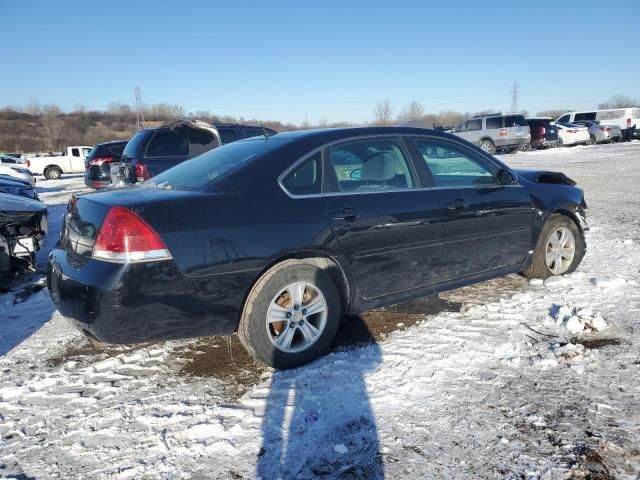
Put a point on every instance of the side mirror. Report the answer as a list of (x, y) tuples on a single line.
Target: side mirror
[(506, 177)]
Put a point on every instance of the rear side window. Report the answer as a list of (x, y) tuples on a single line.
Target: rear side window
[(75, 152), (305, 179), (452, 167), (515, 121), (585, 116), (168, 144), (494, 122), (227, 134)]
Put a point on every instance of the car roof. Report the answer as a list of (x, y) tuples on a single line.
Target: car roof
[(111, 142)]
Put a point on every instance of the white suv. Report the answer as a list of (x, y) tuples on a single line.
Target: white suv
[(496, 131)]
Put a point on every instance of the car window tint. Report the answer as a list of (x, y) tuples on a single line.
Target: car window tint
[(117, 149), (227, 134), (454, 167), (305, 179), (253, 132), (564, 118), (494, 122), (515, 121), (371, 165), (168, 144), (475, 124), (585, 116), (201, 145), (75, 152), (462, 127)]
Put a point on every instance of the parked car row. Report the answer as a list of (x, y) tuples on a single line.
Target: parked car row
[(513, 132)]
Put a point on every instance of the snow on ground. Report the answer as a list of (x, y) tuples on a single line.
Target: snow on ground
[(505, 379)]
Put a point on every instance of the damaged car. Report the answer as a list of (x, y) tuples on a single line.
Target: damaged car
[(23, 226), (15, 186), (278, 239)]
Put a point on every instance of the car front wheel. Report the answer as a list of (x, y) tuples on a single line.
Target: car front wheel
[(559, 249), (291, 315)]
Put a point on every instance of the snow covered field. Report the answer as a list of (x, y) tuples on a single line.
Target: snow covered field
[(505, 379)]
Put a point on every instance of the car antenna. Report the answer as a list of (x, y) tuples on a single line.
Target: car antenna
[(264, 132)]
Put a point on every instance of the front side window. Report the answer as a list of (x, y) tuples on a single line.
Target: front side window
[(168, 144), (462, 127), (564, 118), (253, 132), (475, 124), (585, 116), (86, 151), (305, 179), (454, 167), (371, 165)]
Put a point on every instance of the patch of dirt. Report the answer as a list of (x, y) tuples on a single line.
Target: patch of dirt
[(590, 466), (85, 353), (596, 343), (224, 358)]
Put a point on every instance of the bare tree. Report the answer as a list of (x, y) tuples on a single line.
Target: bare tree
[(619, 101), (412, 111), (382, 113), (33, 107), (52, 123)]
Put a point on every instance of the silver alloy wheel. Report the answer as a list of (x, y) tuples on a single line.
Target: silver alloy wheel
[(296, 317), (560, 251), (486, 147)]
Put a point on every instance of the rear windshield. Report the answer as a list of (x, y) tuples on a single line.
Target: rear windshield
[(538, 121), (198, 172)]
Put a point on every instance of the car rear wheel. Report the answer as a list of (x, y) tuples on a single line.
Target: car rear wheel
[(560, 142), (291, 315), (52, 173), (559, 249), (592, 140), (488, 146)]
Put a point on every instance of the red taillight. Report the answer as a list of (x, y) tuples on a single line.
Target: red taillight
[(605, 129), (573, 131), (124, 237), (542, 131), (28, 163), (100, 160), (142, 172), (503, 132)]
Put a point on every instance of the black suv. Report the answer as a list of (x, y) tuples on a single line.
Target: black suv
[(98, 163), (154, 150)]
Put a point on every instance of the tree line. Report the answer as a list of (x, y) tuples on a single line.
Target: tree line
[(39, 127)]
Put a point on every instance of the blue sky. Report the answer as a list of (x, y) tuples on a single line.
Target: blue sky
[(329, 60)]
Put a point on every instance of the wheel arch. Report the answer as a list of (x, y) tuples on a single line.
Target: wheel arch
[(53, 165), (321, 259)]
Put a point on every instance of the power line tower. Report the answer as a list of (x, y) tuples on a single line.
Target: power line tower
[(515, 91), (140, 124)]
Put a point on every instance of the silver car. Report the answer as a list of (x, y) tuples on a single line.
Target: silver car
[(509, 132), (599, 133)]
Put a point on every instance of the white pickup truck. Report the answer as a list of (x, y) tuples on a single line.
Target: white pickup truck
[(53, 166)]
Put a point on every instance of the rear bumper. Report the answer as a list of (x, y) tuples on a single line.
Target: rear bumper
[(543, 142), (133, 303)]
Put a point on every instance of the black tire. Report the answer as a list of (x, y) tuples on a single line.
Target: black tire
[(488, 146), (592, 140), (53, 173), (538, 266), (252, 330), (560, 142)]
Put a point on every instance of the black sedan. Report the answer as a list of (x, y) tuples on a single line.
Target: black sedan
[(278, 238)]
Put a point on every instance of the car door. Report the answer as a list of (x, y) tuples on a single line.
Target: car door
[(386, 224), (486, 225), (474, 130), (76, 160), (461, 130)]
